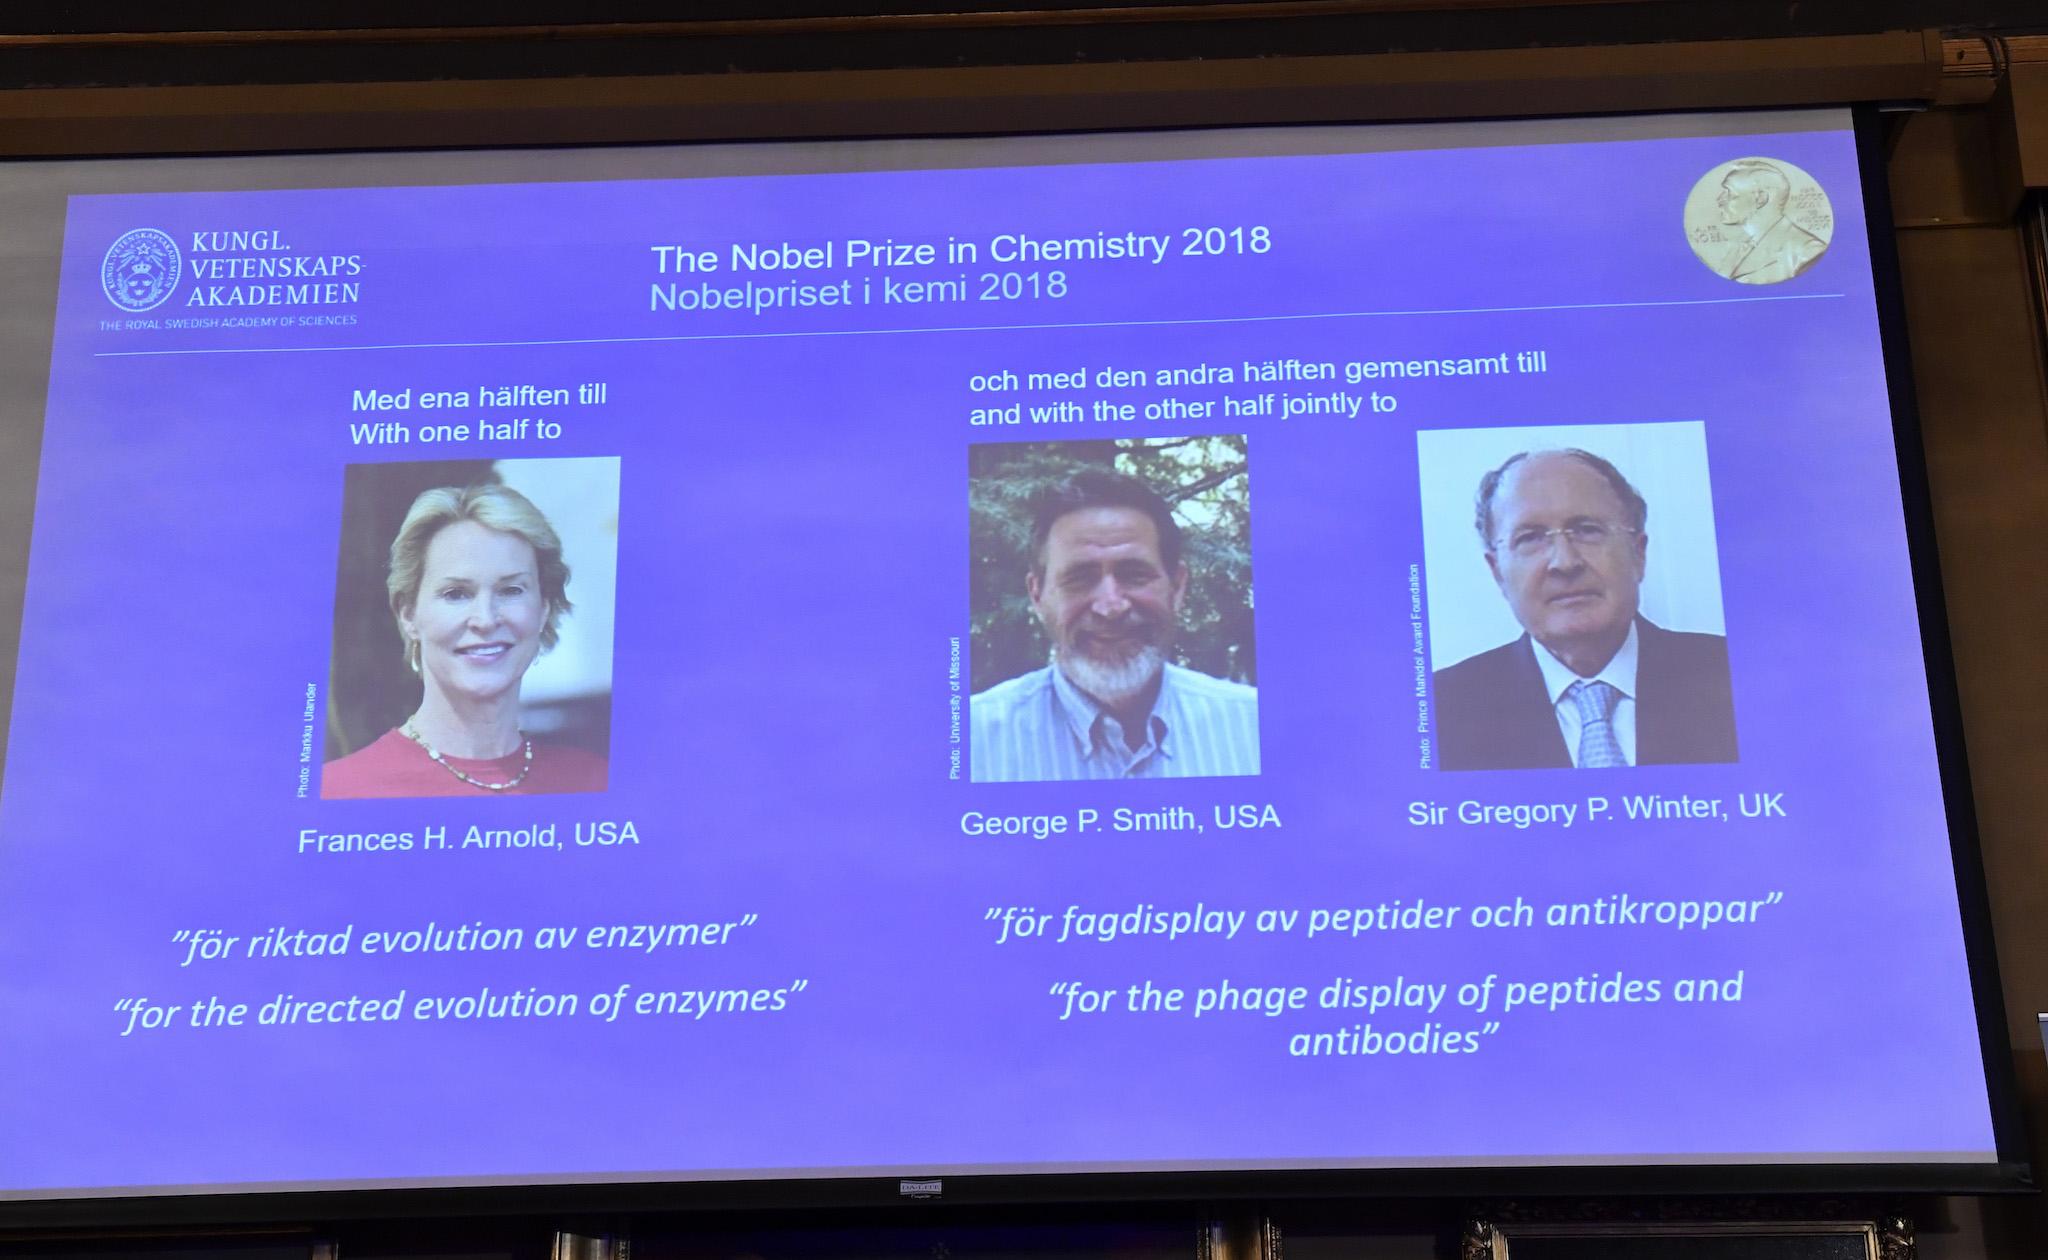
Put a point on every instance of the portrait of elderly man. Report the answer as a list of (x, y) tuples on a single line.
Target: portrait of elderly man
[(1767, 246), (1591, 683), (1107, 583)]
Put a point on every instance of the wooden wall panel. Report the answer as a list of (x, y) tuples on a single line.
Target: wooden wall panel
[(1979, 370)]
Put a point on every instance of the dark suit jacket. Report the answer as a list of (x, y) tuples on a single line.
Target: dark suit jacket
[(1494, 713)]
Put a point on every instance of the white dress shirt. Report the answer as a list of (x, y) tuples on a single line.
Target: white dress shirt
[(1041, 727), (1619, 673)]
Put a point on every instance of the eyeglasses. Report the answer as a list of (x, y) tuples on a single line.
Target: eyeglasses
[(1527, 544)]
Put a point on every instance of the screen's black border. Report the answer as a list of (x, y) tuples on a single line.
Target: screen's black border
[(1944, 699), (2009, 1173)]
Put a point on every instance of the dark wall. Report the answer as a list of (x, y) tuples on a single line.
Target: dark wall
[(1978, 361), (124, 43)]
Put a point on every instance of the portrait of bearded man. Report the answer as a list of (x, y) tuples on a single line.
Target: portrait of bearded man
[(1107, 584)]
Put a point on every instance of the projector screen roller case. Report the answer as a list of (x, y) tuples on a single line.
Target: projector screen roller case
[(1302, 649)]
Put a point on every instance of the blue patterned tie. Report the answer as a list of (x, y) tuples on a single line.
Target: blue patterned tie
[(1598, 748)]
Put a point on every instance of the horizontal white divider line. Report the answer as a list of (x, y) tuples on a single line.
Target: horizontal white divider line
[(966, 328)]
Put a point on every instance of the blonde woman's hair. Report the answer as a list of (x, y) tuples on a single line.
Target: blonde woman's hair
[(492, 506)]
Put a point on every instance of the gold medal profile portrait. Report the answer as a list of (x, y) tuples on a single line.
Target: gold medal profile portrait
[(1758, 220)]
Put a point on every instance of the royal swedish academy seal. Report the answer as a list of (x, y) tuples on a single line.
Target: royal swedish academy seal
[(141, 269)]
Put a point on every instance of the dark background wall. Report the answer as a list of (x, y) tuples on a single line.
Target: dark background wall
[(1972, 314)]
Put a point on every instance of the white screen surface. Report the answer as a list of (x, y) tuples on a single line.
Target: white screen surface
[(864, 812)]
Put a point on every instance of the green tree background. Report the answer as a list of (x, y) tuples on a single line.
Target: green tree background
[(1202, 478)]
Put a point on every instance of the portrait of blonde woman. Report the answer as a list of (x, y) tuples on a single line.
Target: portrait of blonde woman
[(478, 588)]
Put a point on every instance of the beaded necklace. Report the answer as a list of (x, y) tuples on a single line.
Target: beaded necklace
[(442, 762)]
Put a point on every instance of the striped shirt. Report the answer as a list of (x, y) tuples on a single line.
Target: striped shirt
[(1040, 727)]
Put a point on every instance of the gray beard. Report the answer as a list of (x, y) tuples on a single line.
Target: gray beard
[(1113, 684)]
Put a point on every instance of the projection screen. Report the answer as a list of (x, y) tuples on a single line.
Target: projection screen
[(1324, 648)]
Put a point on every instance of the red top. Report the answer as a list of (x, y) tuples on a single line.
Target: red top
[(395, 766)]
